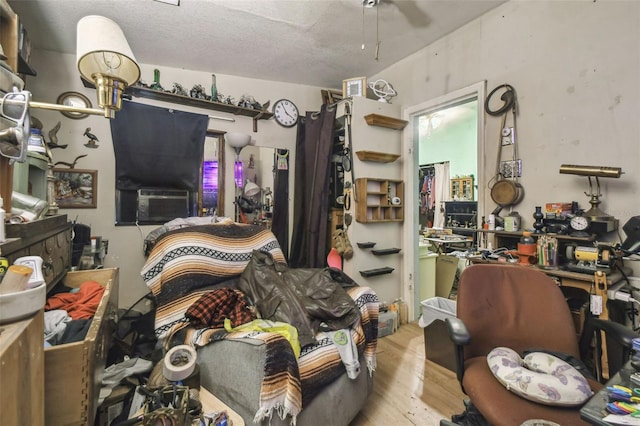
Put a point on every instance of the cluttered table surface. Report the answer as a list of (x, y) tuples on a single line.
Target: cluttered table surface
[(595, 411)]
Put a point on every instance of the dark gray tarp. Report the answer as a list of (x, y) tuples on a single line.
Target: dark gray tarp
[(157, 147)]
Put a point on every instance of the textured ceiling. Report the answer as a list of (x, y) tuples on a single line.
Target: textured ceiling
[(312, 42)]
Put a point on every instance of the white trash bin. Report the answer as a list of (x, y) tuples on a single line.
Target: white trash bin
[(438, 347)]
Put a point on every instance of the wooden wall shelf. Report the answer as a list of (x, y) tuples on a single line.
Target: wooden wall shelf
[(385, 121), (374, 198), (378, 157), (384, 252), (377, 271), (156, 95)]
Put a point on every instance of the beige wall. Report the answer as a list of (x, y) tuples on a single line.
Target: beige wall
[(57, 74), (576, 68)]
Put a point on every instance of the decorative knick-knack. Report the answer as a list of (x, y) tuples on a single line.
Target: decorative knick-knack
[(538, 224), (214, 88)]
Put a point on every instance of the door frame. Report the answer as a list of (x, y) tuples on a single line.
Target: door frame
[(410, 142)]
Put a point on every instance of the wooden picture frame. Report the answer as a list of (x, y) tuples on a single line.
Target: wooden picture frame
[(330, 96), (354, 87), (76, 188)]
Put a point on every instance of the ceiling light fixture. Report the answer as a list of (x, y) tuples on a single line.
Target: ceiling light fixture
[(371, 4)]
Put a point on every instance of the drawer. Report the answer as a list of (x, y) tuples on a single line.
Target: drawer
[(73, 371)]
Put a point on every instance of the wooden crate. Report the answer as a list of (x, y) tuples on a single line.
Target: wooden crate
[(73, 371)]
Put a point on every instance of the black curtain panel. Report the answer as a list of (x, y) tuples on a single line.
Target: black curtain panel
[(157, 147), (311, 198), (280, 223)]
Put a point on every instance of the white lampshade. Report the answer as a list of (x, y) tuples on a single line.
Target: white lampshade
[(251, 189), (237, 140), (103, 49)]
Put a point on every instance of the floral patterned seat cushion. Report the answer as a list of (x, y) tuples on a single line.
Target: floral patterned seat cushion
[(539, 377)]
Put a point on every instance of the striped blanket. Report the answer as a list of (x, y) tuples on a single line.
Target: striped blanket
[(187, 263)]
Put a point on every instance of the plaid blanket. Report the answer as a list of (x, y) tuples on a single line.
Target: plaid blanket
[(186, 263)]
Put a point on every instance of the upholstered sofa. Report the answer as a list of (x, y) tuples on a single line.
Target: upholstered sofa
[(257, 373)]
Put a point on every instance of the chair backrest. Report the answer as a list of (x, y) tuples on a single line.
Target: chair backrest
[(514, 306)]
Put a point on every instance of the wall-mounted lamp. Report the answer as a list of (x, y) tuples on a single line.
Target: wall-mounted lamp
[(105, 59)]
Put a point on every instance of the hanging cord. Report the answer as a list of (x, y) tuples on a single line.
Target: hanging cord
[(347, 123), (377, 33), (510, 102)]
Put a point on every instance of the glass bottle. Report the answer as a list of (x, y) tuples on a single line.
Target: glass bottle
[(214, 88)]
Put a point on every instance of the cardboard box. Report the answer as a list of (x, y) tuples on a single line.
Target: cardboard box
[(112, 406), (73, 371), (446, 268)]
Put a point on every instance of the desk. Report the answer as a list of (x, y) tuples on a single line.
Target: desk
[(594, 410), (596, 283), (444, 241)]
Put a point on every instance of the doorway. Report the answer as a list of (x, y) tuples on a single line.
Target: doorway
[(424, 118)]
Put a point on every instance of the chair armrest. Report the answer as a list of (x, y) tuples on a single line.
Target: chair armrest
[(459, 335), (619, 332), (458, 331)]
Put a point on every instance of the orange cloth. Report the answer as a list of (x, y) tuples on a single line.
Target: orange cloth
[(80, 305)]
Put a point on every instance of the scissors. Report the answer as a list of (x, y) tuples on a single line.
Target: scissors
[(623, 393)]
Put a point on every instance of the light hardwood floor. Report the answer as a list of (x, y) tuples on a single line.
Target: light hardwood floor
[(409, 389)]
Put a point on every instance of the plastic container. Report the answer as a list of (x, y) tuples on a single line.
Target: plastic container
[(36, 143), (527, 244)]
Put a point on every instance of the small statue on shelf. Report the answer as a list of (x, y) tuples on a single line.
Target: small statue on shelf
[(197, 92), (179, 90)]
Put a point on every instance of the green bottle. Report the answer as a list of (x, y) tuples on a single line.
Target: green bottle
[(214, 89)]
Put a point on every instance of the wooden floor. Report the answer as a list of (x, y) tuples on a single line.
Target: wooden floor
[(409, 389)]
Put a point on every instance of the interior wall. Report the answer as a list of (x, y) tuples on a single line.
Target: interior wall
[(57, 73), (575, 67)]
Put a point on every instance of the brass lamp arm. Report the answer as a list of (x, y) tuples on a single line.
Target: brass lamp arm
[(59, 107)]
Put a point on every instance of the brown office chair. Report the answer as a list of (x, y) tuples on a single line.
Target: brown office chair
[(516, 307)]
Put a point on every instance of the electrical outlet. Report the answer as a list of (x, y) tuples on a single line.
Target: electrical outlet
[(511, 168)]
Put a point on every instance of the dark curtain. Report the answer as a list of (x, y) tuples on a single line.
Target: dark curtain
[(280, 223), (157, 147), (314, 146)]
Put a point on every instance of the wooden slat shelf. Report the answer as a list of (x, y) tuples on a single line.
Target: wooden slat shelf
[(385, 121), (383, 252), (368, 244), (377, 271), (156, 95), (378, 157)]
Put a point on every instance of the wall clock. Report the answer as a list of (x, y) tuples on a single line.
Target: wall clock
[(74, 99), (285, 112)]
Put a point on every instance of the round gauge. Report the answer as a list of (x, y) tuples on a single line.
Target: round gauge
[(579, 223), (285, 112)]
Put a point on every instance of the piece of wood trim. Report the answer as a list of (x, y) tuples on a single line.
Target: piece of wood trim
[(378, 157), (385, 121)]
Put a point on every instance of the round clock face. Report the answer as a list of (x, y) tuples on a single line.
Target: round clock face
[(285, 112), (579, 223)]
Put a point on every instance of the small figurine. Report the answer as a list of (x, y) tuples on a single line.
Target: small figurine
[(179, 90), (70, 165), (197, 92), (53, 138), (93, 139)]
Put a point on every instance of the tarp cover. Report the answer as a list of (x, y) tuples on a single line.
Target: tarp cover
[(157, 147)]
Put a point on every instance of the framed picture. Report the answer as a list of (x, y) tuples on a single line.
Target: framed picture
[(76, 189), (354, 87)]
